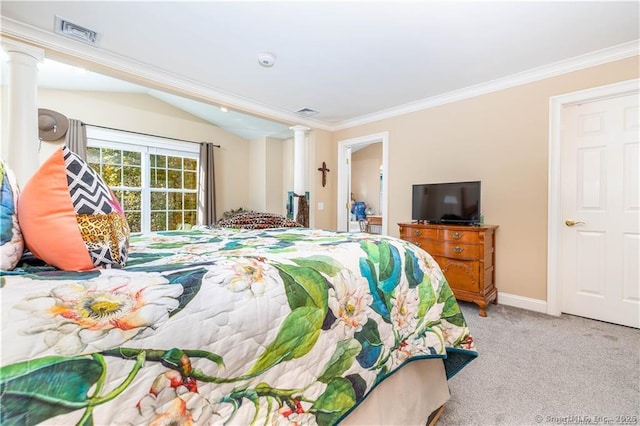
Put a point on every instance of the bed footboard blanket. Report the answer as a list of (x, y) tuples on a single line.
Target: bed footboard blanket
[(220, 326)]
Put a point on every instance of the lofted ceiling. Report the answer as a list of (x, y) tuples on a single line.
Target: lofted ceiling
[(350, 61)]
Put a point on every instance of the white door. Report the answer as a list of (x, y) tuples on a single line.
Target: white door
[(600, 191), (347, 205)]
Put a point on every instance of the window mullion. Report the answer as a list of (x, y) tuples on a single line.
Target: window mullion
[(146, 192)]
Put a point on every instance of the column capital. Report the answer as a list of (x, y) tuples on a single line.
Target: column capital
[(13, 46), (20, 142), (299, 128)]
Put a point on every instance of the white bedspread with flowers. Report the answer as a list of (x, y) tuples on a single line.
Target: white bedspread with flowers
[(285, 326)]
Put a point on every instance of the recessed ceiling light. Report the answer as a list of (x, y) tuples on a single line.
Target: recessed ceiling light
[(224, 109), (266, 59)]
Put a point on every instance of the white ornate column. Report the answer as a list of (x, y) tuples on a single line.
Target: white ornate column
[(20, 141), (300, 166)]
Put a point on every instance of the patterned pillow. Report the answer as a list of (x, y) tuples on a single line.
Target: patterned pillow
[(253, 220), (70, 218), (11, 242)]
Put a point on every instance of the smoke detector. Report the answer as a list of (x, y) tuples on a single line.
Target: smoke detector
[(266, 59)]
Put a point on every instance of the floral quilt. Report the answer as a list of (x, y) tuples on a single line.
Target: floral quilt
[(222, 326)]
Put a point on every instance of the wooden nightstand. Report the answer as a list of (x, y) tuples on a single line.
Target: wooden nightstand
[(466, 255), (375, 224)]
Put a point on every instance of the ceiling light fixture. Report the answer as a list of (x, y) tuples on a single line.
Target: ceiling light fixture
[(224, 109), (75, 31), (266, 59)]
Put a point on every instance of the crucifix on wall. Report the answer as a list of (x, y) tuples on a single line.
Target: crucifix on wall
[(324, 171)]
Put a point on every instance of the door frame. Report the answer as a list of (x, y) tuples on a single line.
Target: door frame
[(343, 175), (554, 214)]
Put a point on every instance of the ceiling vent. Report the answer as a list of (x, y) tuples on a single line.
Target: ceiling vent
[(307, 112), (77, 32)]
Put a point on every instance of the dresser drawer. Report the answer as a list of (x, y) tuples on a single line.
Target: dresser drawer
[(462, 236), (409, 233), (461, 251), (416, 241), (461, 275), (432, 247)]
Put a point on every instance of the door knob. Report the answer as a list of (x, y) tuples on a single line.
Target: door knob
[(573, 223)]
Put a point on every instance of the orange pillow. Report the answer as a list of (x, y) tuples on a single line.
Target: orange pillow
[(70, 218)]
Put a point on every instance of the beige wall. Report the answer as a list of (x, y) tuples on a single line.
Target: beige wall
[(257, 177), (365, 175), (501, 139), (143, 113), (275, 197), (265, 159), (287, 169), (323, 149)]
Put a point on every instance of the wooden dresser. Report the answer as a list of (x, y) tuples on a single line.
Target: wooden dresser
[(466, 255)]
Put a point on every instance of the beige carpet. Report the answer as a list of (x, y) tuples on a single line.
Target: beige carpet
[(536, 369)]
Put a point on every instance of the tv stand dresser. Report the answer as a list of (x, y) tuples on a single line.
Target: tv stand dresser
[(466, 255)]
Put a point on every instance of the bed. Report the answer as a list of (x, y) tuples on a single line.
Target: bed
[(211, 325), (227, 326)]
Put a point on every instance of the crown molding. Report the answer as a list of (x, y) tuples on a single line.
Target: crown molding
[(577, 63), (56, 43), (62, 45)]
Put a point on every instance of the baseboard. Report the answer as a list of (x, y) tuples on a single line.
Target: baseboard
[(528, 303)]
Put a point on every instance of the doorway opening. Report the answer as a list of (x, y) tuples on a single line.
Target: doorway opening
[(345, 149)]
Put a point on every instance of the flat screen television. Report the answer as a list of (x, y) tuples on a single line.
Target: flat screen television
[(447, 203)]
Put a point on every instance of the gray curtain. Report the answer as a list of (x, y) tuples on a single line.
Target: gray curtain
[(76, 138), (207, 195)]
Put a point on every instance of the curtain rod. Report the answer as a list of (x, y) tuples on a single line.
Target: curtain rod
[(144, 134)]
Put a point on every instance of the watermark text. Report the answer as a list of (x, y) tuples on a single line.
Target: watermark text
[(588, 420)]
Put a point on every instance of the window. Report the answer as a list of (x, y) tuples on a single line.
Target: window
[(155, 179), (174, 196)]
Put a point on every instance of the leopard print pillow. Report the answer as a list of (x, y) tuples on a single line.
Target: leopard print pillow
[(254, 220)]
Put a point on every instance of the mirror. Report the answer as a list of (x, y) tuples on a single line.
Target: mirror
[(60, 76)]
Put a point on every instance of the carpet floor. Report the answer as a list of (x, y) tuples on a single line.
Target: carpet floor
[(537, 369)]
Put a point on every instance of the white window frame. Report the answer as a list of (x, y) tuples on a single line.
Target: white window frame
[(98, 137)]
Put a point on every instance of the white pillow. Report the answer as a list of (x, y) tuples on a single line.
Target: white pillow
[(11, 241)]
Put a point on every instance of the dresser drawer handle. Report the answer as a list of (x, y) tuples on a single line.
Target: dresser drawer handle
[(417, 232), (458, 249), (456, 235)]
